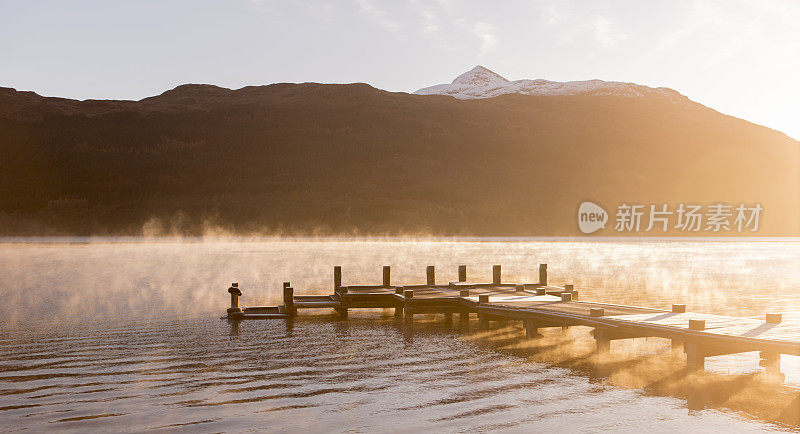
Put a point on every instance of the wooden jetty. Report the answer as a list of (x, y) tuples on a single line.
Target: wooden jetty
[(540, 305)]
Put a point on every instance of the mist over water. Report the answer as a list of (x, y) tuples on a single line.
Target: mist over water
[(125, 333)]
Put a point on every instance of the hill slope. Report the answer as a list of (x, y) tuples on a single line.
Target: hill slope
[(339, 158)]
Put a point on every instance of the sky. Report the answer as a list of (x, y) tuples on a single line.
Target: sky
[(740, 57)]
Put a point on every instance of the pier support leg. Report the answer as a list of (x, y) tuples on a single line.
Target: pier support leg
[(771, 361), (448, 318), (531, 331), (602, 341), (398, 311), (408, 316), (677, 344), (463, 318), (483, 322), (342, 312), (695, 357)]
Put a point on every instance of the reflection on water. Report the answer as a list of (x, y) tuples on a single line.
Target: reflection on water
[(101, 336)]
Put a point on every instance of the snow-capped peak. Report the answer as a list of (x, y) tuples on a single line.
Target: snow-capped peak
[(480, 76), (480, 82)]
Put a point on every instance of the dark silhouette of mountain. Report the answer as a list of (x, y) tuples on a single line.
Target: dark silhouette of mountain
[(330, 159)]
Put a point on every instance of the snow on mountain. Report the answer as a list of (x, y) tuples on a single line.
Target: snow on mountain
[(480, 82)]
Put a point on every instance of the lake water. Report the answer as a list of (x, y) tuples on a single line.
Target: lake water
[(124, 333)]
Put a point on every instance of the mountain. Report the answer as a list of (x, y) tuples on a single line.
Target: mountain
[(480, 82), (330, 159)]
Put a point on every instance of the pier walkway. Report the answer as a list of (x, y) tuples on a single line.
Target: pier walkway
[(539, 305)]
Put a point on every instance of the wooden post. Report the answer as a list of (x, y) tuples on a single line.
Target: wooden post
[(431, 275), (520, 288), (463, 293), (398, 307), (695, 358), (495, 274), (483, 299), (409, 314), (774, 318), (448, 318), (566, 296), (602, 341), (543, 274), (596, 312), (697, 324), (541, 291), (771, 361), (387, 270), (408, 293), (483, 321), (463, 318), (462, 273), (288, 301), (678, 308), (531, 331), (337, 278)]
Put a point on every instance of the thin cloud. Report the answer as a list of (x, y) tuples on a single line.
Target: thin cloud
[(485, 32)]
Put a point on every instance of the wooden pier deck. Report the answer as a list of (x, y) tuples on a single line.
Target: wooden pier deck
[(539, 305)]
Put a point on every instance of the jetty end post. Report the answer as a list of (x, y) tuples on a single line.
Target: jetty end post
[(495, 274), (235, 294), (387, 271), (430, 272), (462, 273), (543, 274), (337, 278)]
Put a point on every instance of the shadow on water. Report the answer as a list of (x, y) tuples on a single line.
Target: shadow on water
[(649, 365)]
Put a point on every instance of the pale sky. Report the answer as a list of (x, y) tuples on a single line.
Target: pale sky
[(741, 57)]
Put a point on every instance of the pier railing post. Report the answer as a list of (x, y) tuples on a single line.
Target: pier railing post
[(337, 278), (462, 273), (430, 273), (387, 271), (495, 274), (543, 274)]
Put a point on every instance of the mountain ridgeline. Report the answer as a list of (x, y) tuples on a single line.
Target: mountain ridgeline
[(341, 159)]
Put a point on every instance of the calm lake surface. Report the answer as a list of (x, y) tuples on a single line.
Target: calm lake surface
[(124, 334)]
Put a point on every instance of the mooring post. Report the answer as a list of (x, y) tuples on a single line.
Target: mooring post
[(337, 278), (541, 291), (288, 301), (520, 288), (566, 296), (430, 272), (387, 270), (495, 274), (543, 274), (462, 273)]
